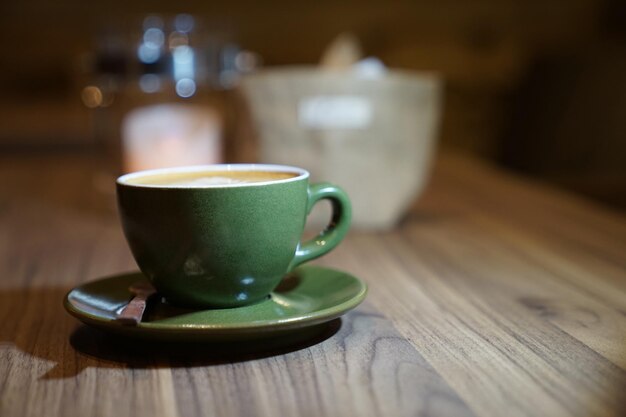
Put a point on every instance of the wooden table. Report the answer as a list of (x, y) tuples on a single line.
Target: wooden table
[(495, 297)]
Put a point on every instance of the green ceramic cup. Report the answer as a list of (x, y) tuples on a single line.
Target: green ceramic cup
[(217, 246)]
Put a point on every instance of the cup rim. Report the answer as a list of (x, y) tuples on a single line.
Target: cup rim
[(301, 174)]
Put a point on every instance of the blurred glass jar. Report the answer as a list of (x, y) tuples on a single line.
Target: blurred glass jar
[(160, 94)]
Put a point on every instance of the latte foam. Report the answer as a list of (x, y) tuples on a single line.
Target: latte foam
[(210, 178)]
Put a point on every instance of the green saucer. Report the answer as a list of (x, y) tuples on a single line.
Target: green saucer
[(309, 296)]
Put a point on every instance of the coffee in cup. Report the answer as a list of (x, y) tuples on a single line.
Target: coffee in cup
[(205, 178)]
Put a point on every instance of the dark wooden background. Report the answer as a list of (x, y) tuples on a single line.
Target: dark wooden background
[(539, 86)]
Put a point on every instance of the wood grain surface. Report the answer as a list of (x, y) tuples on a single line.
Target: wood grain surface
[(493, 297)]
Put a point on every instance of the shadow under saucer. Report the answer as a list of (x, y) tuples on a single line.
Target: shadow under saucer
[(137, 354)]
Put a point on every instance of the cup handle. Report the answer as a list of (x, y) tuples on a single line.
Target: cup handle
[(334, 233)]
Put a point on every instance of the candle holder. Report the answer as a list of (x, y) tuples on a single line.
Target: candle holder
[(159, 94)]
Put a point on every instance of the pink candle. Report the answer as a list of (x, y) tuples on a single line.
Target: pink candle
[(168, 135)]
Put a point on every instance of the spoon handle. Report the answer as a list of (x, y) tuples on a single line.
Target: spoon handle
[(132, 313)]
